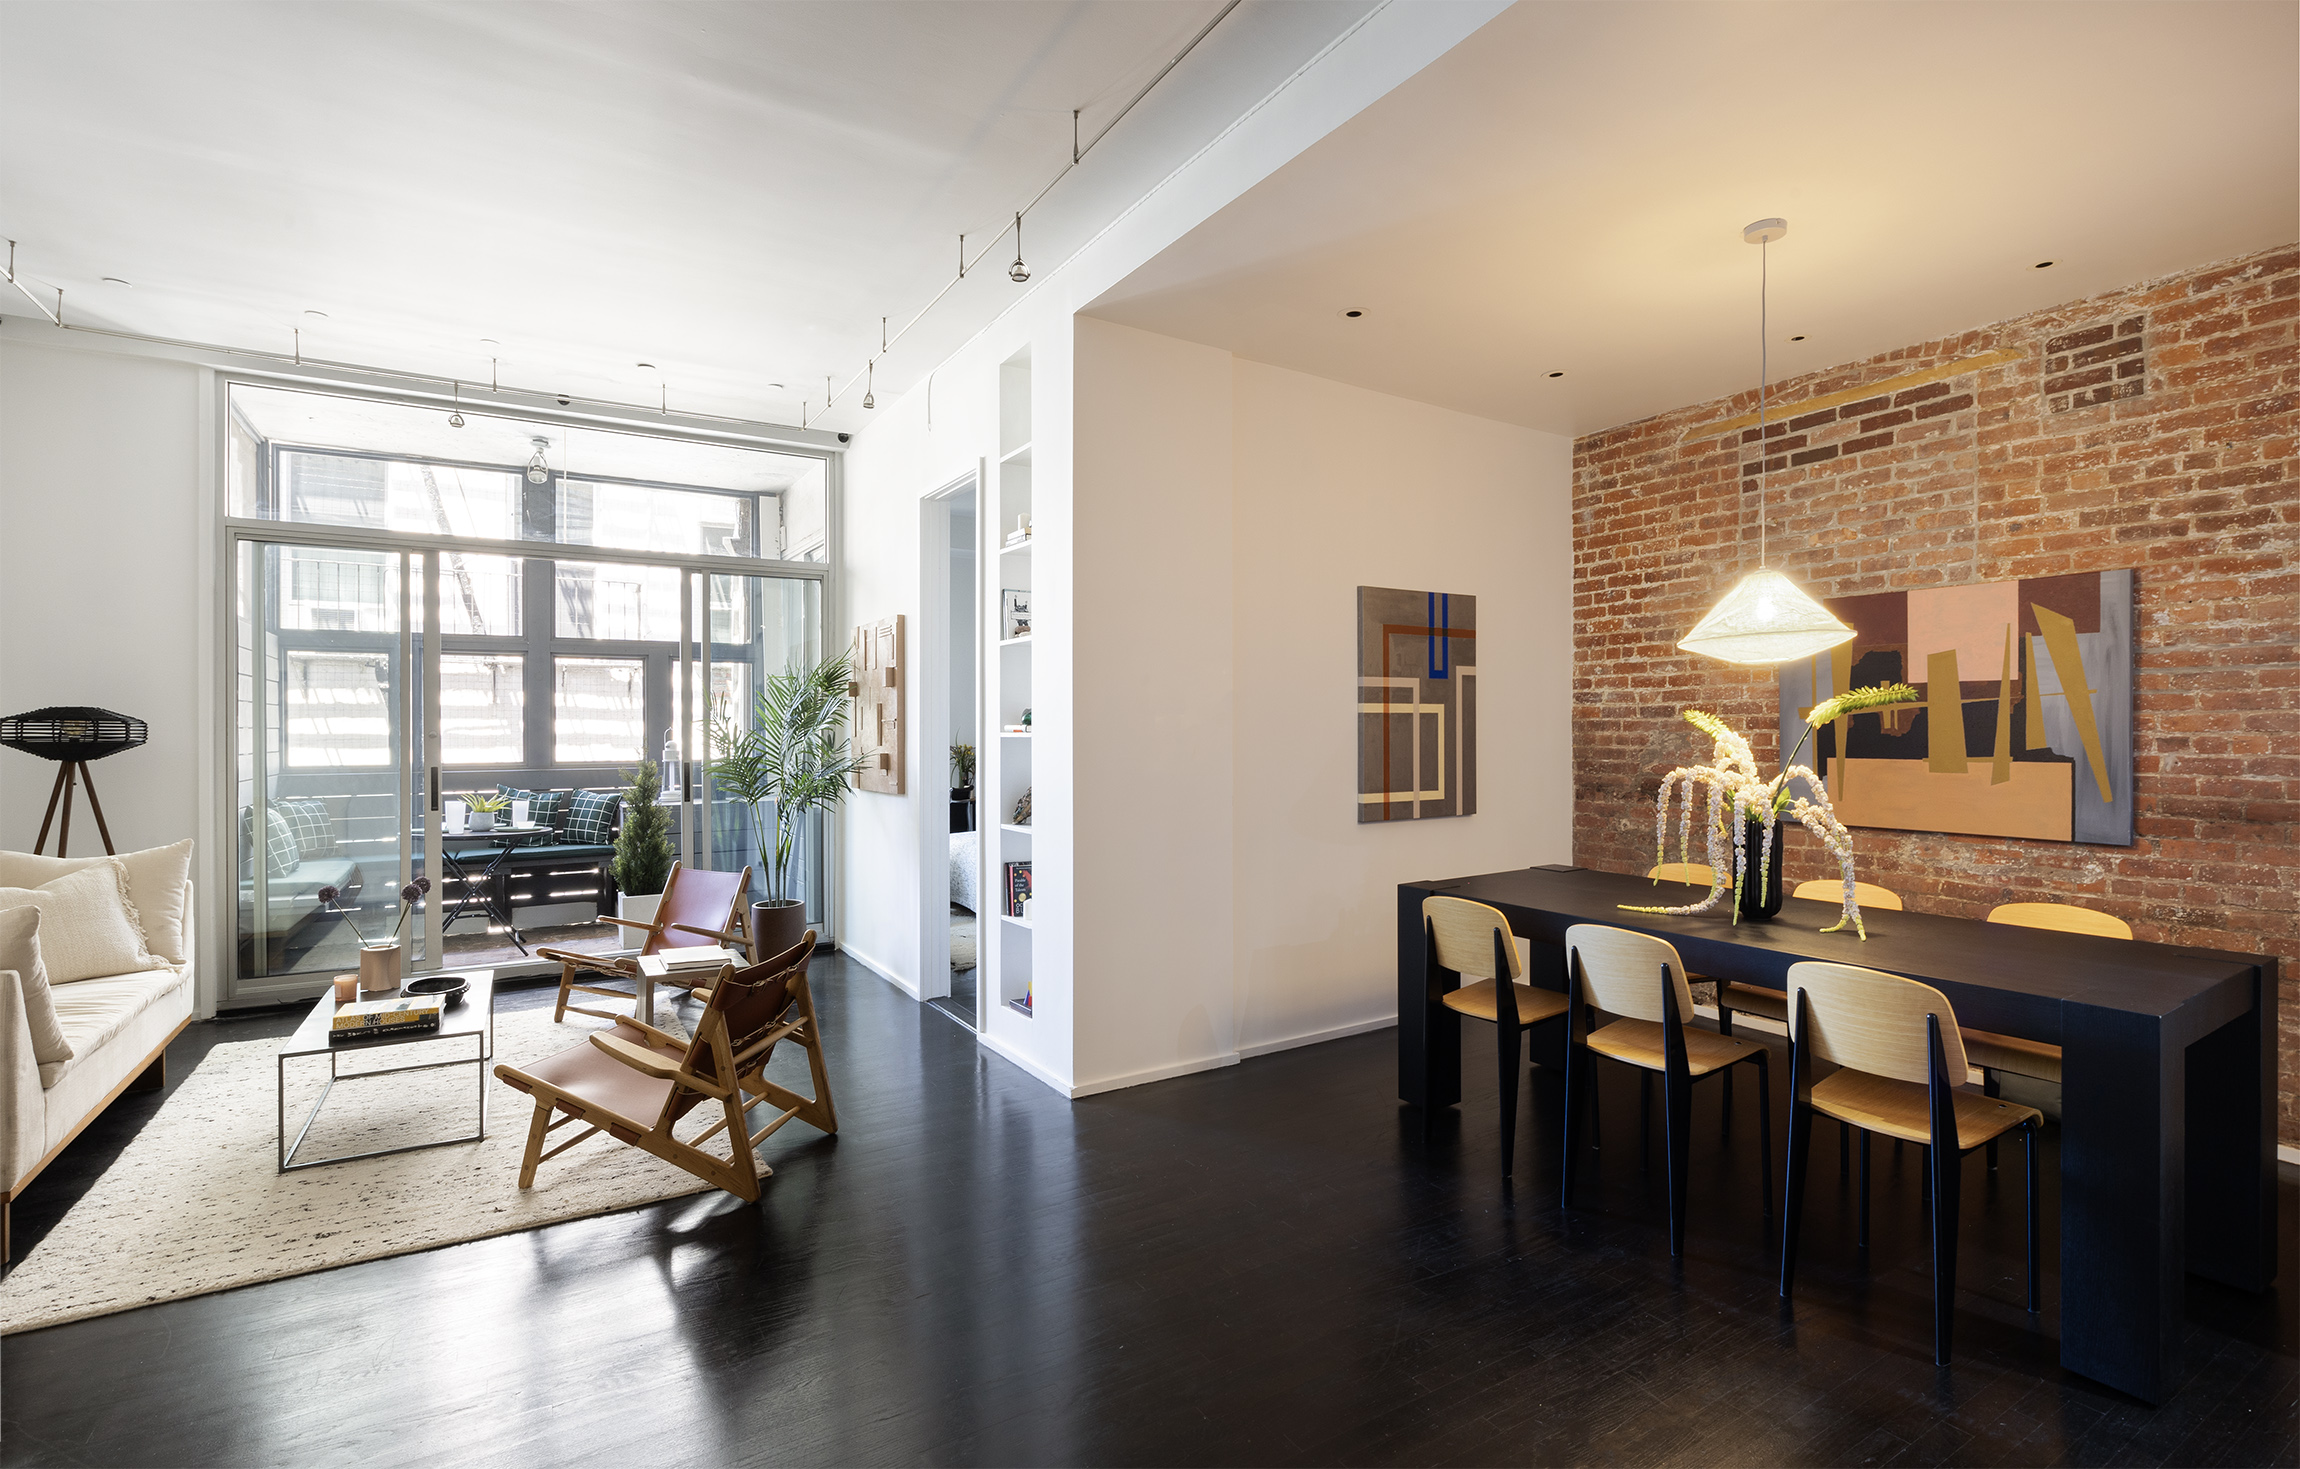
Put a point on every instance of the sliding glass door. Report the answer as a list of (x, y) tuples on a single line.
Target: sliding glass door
[(415, 640)]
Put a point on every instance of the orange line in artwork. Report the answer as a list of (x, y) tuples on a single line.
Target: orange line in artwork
[(1408, 630)]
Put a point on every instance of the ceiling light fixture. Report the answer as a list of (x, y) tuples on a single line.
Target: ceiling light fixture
[(1797, 339), (2042, 265), (538, 472), (1018, 272), (320, 314), (113, 280), (1353, 314), (1557, 374), (870, 380), (455, 407), (1766, 619)]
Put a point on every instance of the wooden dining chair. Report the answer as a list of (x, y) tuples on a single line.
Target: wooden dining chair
[(1756, 999), (635, 1083), (699, 907), (1474, 942), (1994, 1055), (1639, 979), (1901, 1063), (1699, 874)]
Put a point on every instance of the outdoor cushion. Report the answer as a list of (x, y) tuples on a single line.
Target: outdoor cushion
[(544, 808), (281, 852), (591, 818), (314, 829)]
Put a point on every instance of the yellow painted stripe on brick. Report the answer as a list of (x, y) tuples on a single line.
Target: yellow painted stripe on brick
[(1787, 411)]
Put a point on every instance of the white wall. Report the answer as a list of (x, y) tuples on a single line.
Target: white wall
[(102, 594), (1338, 488)]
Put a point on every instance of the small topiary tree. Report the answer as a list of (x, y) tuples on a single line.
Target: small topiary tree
[(643, 847)]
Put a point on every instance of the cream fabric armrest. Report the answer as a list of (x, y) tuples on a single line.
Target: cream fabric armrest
[(23, 1129)]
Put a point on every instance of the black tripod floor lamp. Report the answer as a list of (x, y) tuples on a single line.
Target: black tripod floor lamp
[(71, 735)]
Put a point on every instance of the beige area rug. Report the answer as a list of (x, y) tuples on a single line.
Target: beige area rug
[(196, 1202)]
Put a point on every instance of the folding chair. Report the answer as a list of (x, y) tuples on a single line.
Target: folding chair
[(635, 1082), (699, 907)]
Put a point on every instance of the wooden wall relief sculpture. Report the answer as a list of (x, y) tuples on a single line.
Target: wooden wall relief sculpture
[(878, 706)]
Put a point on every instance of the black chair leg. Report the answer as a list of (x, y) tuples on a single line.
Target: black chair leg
[(1793, 1191), (1644, 1118), (2035, 1299), (1991, 1087), (1863, 1237), (1765, 1129), (1577, 1091), (1510, 1049), (1677, 1105), (1844, 1147), (1942, 1167)]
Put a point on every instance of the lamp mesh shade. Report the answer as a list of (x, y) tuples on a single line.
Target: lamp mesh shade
[(71, 732), (1766, 619)]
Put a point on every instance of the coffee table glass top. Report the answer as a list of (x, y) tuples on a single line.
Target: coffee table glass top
[(474, 1015)]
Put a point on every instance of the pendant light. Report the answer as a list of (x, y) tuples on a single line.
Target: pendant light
[(1766, 619), (538, 471), (1018, 272)]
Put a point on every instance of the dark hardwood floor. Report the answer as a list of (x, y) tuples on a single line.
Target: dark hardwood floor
[(1266, 1264)]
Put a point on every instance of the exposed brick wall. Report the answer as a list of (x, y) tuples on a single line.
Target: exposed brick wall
[(2151, 428)]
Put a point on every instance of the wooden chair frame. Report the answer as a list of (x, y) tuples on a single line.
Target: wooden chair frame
[(1676, 1091), (626, 966), (693, 1085), (1943, 1161)]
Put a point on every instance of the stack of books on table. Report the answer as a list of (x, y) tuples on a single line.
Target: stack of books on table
[(366, 1020)]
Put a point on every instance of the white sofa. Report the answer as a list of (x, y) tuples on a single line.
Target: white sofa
[(119, 1028)]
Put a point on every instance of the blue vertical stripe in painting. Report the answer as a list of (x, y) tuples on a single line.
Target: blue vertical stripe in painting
[(1441, 646)]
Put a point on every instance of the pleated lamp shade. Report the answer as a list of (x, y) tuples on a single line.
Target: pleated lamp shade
[(1766, 619)]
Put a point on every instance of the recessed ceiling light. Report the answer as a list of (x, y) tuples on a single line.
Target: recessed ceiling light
[(1557, 374), (1797, 339), (647, 365), (113, 280), (320, 314), (1353, 314), (778, 387), (2041, 265)]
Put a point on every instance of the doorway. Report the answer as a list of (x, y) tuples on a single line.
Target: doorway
[(950, 686)]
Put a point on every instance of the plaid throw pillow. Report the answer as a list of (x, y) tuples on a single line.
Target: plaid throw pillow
[(591, 818), (280, 851), (544, 808), (314, 828)]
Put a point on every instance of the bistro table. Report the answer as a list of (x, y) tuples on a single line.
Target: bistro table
[(2168, 1137), (483, 890)]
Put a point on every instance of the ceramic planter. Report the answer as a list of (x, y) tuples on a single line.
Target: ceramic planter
[(637, 908), (776, 928), (379, 968)]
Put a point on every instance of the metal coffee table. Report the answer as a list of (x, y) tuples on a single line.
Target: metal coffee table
[(473, 1019)]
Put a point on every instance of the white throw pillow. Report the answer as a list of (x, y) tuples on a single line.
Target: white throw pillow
[(20, 951), (88, 926), (157, 878)]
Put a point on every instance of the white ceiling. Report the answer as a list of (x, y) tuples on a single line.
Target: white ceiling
[(1565, 191), (734, 192)]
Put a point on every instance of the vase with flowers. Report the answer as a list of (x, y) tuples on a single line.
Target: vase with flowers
[(379, 960), (1746, 808)]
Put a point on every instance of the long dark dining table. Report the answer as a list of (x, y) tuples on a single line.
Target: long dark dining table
[(2168, 1137)]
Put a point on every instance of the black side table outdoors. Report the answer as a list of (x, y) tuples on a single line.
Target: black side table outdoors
[(484, 892)]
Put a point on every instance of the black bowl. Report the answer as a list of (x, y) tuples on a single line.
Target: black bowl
[(450, 987)]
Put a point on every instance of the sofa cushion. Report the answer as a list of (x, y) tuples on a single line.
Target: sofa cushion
[(20, 951), (159, 880), (314, 829), (92, 1076), (88, 925), (92, 1012)]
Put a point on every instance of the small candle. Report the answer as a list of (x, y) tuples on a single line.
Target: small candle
[(346, 988)]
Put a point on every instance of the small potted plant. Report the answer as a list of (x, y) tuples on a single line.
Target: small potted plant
[(795, 759), (380, 962), (643, 850), (962, 773), (484, 807)]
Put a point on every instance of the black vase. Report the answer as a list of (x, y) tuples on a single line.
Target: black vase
[(1761, 885)]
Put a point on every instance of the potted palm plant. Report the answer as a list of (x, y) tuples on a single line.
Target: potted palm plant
[(793, 761), (642, 847)]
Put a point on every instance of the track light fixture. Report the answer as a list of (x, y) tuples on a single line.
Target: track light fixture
[(538, 472), (455, 411), (870, 373), (1018, 272)]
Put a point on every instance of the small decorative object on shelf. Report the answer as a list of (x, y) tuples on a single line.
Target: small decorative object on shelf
[(1020, 535), (346, 988), (1026, 719), (1022, 809), (1017, 887), (1756, 807), (1014, 607)]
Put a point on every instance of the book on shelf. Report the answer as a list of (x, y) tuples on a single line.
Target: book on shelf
[(365, 1018), (1017, 887)]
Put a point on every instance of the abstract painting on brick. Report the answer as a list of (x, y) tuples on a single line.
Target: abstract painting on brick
[(1417, 704), (2025, 729)]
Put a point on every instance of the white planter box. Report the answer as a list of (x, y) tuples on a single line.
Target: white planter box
[(638, 908)]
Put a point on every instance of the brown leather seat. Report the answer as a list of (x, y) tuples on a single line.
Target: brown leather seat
[(603, 1081)]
